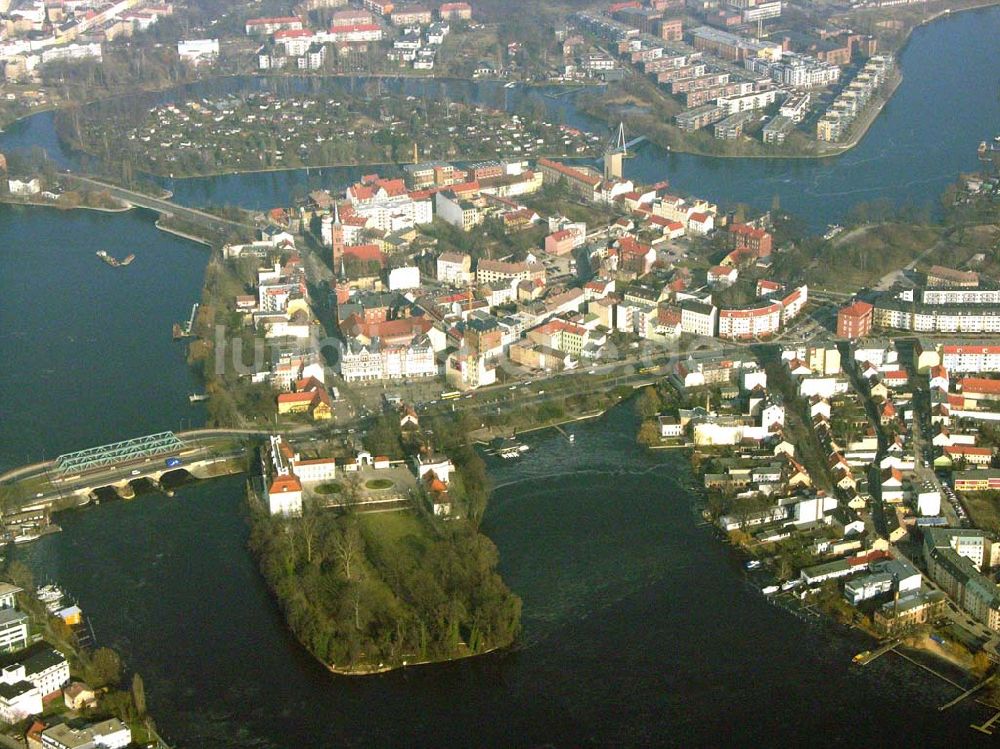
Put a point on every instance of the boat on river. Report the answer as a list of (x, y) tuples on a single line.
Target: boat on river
[(113, 261)]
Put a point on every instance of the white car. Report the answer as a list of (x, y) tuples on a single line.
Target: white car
[(136, 471)]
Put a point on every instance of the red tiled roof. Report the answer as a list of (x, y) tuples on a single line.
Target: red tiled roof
[(285, 484), (570, 172), (301, 397), (968, 450), (857, 309), (970, 349), (365, 252), (980, 385), (632, 246)]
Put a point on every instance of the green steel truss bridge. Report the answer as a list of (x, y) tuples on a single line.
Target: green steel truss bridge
[(162, 443)]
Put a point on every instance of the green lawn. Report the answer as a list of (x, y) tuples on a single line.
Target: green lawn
[(331, 487), (388, 529), (379, 484), (984, 510)]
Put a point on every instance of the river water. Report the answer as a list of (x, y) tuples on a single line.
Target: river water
[(86, 349), (639, 628), (948, 102)]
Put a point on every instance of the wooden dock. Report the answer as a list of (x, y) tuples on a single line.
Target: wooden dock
[(564, 433), (877, 653), (967, 693), (987, 726)]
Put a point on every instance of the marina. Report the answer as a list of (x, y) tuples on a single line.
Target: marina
[(508, 449)]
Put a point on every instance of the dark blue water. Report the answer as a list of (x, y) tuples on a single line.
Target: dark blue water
[(638, 627), (948, 102), (86, 349)]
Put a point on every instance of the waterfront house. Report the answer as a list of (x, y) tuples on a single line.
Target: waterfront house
[(24, 189), (107, 734), (19, 699), (670, 427), (910, 610), (284, 496), (429, 462), (79, 696), (8, 592), (13, 629)]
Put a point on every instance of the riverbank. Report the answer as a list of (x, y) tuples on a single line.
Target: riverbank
[(385, 669), (183, 235), (672, 139), (485, 435), (354, 586), (8, 199)]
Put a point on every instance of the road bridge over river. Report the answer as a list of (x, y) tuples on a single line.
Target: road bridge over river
[(162, 205), (72, 478)]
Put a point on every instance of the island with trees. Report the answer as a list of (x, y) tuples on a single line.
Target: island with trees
[(368, 592)]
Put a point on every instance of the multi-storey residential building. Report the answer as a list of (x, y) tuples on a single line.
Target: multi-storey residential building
[(939, 276), (264, 26), (698, 318), (432, 174), (498, 271), (732, 47), (407, 15), (699, 117), (468, 371), (378, 7), (756, 322), (798, 71), (455, 12), (387, 206), (959, 578), (855, 320), (560, 335), (671, 29), (454, 269), (793, 304), (581, 182), (46, 668), (970, 358), (13, 629), (459, 212), (747, 102), (354, 33), (795, 107), (746, 237), (961, 295), (936, 318), (761, 11), (776, 131), (375, 361)]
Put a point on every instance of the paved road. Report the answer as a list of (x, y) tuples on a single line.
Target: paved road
[(125, 472), (163, 206)]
